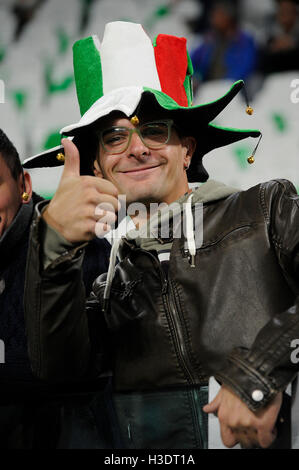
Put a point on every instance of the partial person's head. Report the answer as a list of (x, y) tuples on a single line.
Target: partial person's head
[(223, 17), (12, 183), (124, 76), (287, 14)]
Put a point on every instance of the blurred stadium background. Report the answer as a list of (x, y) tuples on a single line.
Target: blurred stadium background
[(36, 38)]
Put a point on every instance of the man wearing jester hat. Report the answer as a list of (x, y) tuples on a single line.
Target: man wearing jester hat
[(214, 296)]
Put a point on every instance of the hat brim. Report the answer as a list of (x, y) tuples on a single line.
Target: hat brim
[(209, 139), (128, 99), (48, 159)]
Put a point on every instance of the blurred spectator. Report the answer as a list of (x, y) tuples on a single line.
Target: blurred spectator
[(85, 13), (201, 22), (24, 11), (255, 16), (226, 51), (34, 414), (281, 51)]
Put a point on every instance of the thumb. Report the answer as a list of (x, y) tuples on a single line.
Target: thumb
[(213, 406), (72, 158)]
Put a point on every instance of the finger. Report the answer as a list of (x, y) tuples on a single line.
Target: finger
[(105, 186), (101, 229), (106, 202), (228, 437), (101, 185), (72, 158), (104, 207), (107, 217), (247, 438), (247, 444), (213, 406), (265, 438)]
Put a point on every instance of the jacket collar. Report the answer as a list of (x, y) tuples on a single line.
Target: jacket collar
[(16, 230)]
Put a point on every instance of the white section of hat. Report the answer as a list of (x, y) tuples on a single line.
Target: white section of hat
[(123, 99), (127, 56)]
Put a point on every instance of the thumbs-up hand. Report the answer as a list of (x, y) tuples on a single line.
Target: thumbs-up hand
[(82, 206)]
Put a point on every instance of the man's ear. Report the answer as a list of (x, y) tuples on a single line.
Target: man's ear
[(27, 189), (190, 144), (97, 169)]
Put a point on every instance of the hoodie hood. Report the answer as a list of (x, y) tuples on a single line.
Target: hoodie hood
[(146, 236)]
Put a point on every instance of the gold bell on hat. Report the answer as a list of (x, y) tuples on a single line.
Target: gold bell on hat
[(249, 109), (60, 157), (135, 121), (251, 159)]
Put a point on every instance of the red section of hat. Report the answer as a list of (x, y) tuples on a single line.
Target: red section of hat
[(171, 62)]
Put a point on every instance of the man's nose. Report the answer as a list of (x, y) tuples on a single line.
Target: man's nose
[(137, 148)]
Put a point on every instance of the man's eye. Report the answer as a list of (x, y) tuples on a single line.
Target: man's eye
[(153, 131), (114, 138)]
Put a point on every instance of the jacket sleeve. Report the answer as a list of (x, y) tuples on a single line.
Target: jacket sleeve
[(59, 322), (258, 374)]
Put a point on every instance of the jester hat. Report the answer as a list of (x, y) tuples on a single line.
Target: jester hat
[(125, 73)]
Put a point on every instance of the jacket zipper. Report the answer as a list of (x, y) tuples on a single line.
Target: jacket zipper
[(174, 321), (178, 341), (174, 318), (179, 321)]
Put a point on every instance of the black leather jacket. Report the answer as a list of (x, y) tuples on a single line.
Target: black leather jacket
[(232, 316)]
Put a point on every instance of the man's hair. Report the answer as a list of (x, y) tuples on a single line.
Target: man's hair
[(10, 155)]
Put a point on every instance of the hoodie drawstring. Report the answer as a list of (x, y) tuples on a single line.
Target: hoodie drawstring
[(190, 231), (110, 273)]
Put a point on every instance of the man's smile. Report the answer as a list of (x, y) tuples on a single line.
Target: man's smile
[(140, 171)]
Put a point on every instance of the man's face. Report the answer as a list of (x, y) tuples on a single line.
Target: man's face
[(148, 175), (221, 21), (10, 198), (287, 15)]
